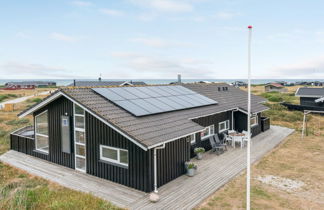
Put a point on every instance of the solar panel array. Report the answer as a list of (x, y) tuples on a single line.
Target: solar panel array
[(141, 101)]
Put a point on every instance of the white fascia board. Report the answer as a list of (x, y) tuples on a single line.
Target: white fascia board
[(173, 139), (41, 104), (55, 96)]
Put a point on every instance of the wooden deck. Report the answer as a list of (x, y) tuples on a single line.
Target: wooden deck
[(181, 193)]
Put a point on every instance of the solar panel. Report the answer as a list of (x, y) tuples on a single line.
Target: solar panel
[(141, 101)]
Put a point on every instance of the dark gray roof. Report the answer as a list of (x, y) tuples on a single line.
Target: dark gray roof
[(310, 92), (154, 129), (36, 83), (104, 83)]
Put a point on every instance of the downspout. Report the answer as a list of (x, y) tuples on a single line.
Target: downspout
[(155, 166)]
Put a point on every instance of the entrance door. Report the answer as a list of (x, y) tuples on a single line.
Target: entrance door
[(79, 139)]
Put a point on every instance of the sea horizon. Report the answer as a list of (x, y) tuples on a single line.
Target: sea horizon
[(64, 82)]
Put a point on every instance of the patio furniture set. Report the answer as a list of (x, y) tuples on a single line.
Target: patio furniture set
[(232, 138)]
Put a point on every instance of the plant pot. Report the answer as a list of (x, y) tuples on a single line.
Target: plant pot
[(191, 172), (199, 155)]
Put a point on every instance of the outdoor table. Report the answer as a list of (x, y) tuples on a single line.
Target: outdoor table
[(237, 135)]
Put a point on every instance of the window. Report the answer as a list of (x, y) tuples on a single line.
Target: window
[(191, 138), (114, 155), (223, 126), (79, 138), (254, 121), (41, 131), (208, 131)]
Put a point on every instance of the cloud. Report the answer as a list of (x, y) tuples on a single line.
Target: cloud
[(151, 66), (158, 42), (226, 15), (165, 5), (82, 3), (15, 69), (111, 12), (63, 37), (311, 68)]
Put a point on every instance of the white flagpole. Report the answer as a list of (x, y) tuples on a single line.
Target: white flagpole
[(248, 156)]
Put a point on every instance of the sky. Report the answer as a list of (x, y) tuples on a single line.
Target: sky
[(158, 39)]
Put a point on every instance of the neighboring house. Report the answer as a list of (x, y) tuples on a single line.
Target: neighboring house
[(104, 83), (313, 97), (115, 132), (275, 87), (28, 85)]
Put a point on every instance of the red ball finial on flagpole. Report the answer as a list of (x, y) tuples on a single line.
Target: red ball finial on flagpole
[(249, 27)]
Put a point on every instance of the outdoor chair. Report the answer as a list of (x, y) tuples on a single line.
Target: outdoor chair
[(215, 148), (228, 139), (245, 138), (238, 139), (218, 142)]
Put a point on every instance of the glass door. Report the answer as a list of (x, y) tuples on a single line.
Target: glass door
[(79, 139)]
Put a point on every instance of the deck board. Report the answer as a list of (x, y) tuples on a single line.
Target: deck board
[(182, 193)]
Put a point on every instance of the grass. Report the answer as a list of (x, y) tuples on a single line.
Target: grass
[(34, 100), (19, 190), (295, 159), (4, 97)]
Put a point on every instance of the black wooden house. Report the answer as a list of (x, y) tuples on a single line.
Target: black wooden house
[(115, 132), (311, 97)]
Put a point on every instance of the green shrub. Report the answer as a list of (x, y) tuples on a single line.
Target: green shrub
[(275, 98), (18, 122), (3, 97), (34, 100), (2, 133), (199, 150), (12, 95)]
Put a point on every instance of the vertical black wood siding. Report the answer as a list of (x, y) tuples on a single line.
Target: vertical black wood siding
[(135, 175), (207, 121), (306, 101), (241, 123), (170, 161), (59, 107)]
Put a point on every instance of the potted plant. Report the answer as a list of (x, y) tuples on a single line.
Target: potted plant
[(199, 152), (191, 168)]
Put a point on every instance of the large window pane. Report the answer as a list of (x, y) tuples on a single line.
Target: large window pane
[(80, 150), (42, 124), (42, 143), (110, 153), (80, 163), (79, 122), (78, 110), (124, 156), (80, 137)]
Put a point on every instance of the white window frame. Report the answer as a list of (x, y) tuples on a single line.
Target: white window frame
[(209, 131), (227, 126), (79, 143), (256, 120), (118, 155), (38, 134), (192, 138)]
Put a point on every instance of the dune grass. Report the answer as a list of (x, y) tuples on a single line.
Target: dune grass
[(295, 159)]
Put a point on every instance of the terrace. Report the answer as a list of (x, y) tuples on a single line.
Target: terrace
[(184, 192)]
